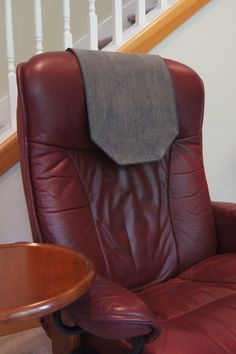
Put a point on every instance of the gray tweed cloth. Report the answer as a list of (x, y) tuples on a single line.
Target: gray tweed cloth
[(130, 103)]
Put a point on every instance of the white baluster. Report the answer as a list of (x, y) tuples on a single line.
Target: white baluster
[(117, 21), (164, 5), (140, 12), (38, 27), (12, 88), (93, 26), (68, 41)]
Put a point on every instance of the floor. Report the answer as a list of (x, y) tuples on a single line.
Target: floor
[(33, 341)]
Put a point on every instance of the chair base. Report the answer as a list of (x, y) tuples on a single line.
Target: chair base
[(75, 330), (84, 351)]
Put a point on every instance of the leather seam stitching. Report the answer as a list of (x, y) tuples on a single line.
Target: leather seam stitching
[(60, 147), (94, 222), (197, 308), (207, 281), (170, 213)]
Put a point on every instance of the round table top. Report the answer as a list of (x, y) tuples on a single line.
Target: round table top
[(38, 279)]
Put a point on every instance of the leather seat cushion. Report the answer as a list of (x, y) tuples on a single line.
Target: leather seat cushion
[(197, 309)]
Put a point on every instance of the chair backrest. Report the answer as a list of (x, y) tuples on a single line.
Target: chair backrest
[(140, 224)]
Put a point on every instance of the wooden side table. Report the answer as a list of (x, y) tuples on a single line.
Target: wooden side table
[(39, 279)]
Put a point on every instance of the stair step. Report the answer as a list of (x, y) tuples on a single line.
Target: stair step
[(104, 42), (131, 18)]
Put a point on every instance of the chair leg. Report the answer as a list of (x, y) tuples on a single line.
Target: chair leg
[(65, 328), (71, 335), (138, 345), (62, 343), (84, 351), (72, 331)]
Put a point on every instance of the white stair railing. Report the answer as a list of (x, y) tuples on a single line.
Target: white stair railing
[(119, 36), (140, 12), (38, 26), (68, 41), (164, 5), (12, 89), (117, 20), (93, 26)]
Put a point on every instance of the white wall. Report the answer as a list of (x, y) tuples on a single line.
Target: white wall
[(207, 43), (14, 224)]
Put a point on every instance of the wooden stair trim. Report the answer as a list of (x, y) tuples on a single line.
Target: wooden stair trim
[(9, 153), (141, 43)]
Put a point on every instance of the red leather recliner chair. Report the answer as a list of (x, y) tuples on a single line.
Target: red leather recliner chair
[(164, 254)]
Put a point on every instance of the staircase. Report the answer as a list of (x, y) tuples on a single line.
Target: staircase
[(123, 23), (135, 27), (107, 41)]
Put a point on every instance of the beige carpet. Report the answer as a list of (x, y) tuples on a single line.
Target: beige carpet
[(32, 341)]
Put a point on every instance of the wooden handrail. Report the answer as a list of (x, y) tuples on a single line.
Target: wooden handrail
[(142, 43), (163, 26)]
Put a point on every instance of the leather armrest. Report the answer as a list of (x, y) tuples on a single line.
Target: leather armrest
[(225, 221), (113, 312)]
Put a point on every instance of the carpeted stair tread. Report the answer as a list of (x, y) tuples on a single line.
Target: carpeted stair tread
[(131, 18), (104, 42)]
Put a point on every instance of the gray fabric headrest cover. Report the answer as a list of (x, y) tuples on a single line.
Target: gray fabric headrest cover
[(130, 103)]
